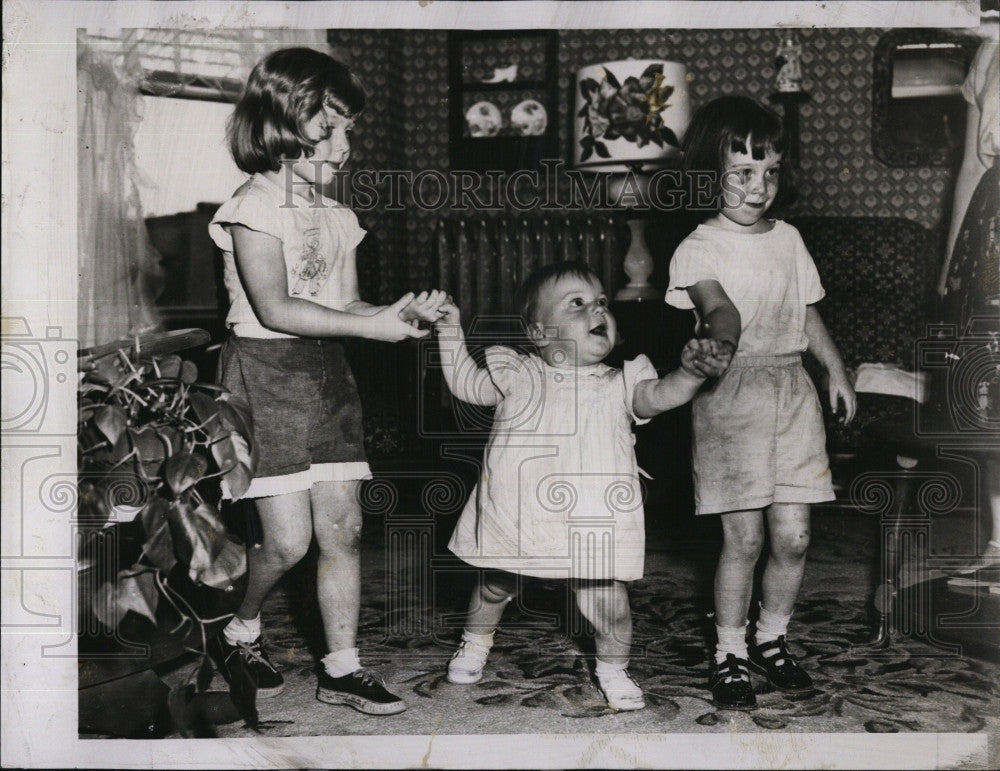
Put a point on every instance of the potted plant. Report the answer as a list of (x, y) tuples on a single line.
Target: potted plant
[(153, 445)]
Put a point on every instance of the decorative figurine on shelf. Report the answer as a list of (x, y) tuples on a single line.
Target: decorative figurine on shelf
[(484, 119), (503, 75), (789, 65), (529, 118)]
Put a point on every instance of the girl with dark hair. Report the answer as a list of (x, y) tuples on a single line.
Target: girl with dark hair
[(759, 446)]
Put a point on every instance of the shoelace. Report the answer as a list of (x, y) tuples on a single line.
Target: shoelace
[(253, 652), (368, 677)]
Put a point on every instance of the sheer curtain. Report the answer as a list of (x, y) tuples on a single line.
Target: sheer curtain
[(120, 271)]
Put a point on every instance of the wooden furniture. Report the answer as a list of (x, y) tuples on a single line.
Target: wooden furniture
[(473, 55)]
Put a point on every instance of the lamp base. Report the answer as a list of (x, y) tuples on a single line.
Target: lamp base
[(638, 265), (633, 292)]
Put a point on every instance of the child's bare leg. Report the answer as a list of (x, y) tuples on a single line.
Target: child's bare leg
[(788, 526), (742, 540), (488, 601), (287, 526), (486, 607), (337, 524), (287, 530), (605, 605)]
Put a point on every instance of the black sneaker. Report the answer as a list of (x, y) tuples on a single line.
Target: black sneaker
[(252, 658), (773, 660), (363, 690), (730, 684)]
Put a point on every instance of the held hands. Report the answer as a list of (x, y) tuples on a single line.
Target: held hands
[(423, 307), (707, 357), (388, 324)]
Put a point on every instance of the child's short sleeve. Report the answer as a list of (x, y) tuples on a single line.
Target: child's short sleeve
[(634, 371), (506, 366), (691, 263), (811, 286), (252, 211)]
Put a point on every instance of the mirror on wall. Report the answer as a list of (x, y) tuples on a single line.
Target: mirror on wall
[(918, 112)]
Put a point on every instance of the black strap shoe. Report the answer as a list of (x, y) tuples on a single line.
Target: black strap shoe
[(773, 660), (730, 684)]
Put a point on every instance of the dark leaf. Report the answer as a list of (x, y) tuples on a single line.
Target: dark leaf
[(587, 87), (92, 508), (159, 544), (130, 591), (611, 133), (236, 412), (204, 679), (235, 458), (172, 438), (169, 366), (151, 450), (669, 136), (609, 76), (106, 370), (655, 139), (587, 152), (602, 150), (199, 535), (229, 564), (189, 372), (652, 69), (184, 470), (207, 410), (111, 421)]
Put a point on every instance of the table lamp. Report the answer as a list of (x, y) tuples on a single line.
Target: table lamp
[(630, 116)]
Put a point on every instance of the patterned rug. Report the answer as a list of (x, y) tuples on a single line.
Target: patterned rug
[(537, 678)]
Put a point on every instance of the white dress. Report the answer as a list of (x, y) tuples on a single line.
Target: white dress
[(559, 495)]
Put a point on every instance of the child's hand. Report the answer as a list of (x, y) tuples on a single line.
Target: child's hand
[(841, 390), (449, 313), (388, 324), (707, 358), (424, 307)]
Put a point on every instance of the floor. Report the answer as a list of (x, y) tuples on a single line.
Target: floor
[(537, 679)]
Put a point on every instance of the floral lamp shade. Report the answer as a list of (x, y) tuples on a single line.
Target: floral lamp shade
[(629, 113)]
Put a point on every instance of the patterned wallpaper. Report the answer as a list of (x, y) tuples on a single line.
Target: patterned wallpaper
[(406, 124)]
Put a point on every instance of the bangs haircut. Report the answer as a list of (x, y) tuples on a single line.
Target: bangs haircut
[(526, 300), (725, 125), (284, 92)]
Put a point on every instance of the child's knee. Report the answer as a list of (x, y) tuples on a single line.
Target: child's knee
[(746, 543), (287, 553), (790, 544)]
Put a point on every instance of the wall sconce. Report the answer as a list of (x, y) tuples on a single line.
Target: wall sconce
[(630, 117)]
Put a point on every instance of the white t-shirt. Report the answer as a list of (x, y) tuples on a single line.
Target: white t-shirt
[(770, 278), (315, 241)]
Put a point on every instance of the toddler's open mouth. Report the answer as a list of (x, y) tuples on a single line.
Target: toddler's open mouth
[(601, 330)]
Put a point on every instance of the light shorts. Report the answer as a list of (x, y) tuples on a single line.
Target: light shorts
[(758, 438), (306, 412)]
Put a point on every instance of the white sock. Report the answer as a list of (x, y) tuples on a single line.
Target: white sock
[(486, 640), (244, 630), (770, 626), (605, 667), (342, 662), (732, 639)]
